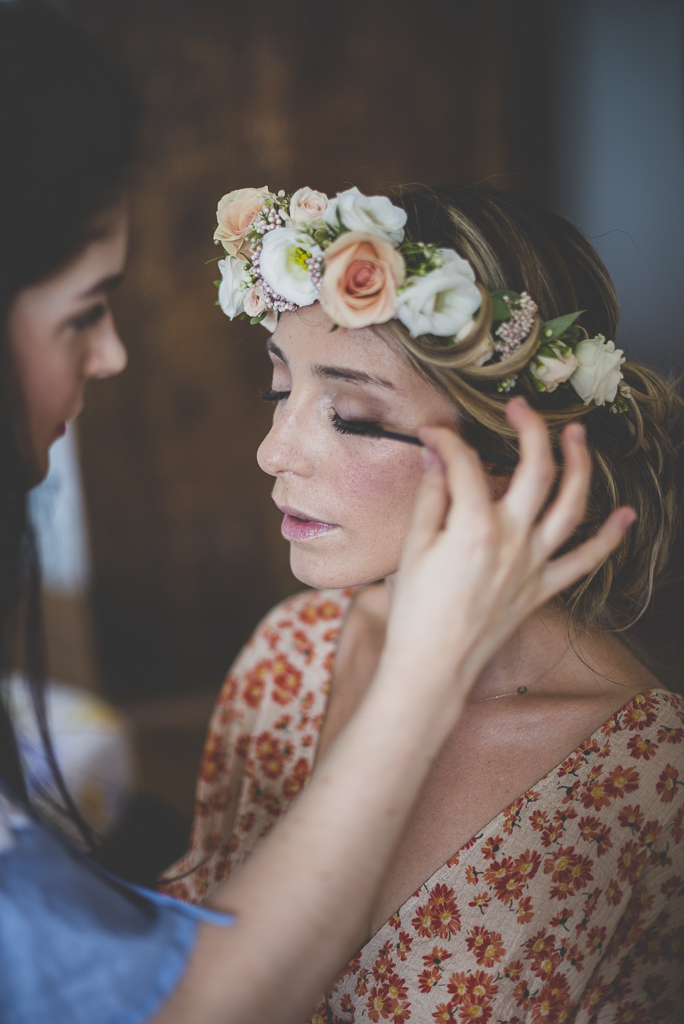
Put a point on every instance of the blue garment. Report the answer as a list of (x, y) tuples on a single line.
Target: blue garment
[(77, 945)]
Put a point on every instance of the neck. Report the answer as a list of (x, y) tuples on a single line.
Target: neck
[(530, 657)]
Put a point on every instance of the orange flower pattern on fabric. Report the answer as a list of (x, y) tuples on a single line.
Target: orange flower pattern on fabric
[(568, 906)]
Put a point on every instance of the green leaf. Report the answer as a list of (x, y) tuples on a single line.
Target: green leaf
[(505, 293), (258, 319), (500, 310), (217, 284), (335, 327), (559, 325)]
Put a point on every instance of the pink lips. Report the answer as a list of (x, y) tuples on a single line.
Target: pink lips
[(297, 526)]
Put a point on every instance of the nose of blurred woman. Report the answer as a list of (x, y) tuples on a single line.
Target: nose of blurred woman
[(106, 355)]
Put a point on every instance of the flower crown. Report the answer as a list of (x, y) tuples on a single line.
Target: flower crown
[(350, 254)]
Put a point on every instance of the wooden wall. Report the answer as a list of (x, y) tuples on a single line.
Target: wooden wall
[(187, 551)]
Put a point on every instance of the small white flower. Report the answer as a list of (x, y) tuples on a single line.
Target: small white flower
[(308, 206), (598, 375), (270, 321), (374, 215), (444, 301), (553, 370), (284, 268), (231, 294)]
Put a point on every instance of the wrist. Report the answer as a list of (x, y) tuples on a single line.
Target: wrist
[(422, 692)]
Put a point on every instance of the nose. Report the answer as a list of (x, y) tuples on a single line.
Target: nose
[(284, 449), (107, 355)]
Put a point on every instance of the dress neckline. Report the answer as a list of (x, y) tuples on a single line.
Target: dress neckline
[(496, 822)]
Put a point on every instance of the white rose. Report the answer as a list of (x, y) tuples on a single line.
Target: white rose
[(283, 265), (231, 294), (597, 377), (442, 302), (553, 370), (374, 215), (307, 206)]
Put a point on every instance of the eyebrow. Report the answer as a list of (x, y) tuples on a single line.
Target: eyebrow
[(107, 284), (337, 372)]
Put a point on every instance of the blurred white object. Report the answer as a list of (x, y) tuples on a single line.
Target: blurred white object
[(92, 747), (58, 514)]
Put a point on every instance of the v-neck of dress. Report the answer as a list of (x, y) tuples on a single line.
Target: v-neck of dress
[(496, 823)]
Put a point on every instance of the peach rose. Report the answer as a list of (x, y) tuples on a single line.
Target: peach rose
[(235, 214), (361, 275)]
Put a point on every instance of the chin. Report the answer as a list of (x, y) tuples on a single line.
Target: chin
[(329, 574)]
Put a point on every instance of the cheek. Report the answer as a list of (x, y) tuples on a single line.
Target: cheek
[(379, 493), (46, 373), (373, 500)]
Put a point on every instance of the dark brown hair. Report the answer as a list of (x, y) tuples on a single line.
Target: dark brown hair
[(68, 129)]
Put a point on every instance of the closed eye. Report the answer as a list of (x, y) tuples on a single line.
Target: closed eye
[(273, 396), (368, 428), (90, 317)]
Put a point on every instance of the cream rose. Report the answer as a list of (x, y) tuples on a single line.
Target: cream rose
[(372, 214), (283, 265), (235, 214), (254, 301), (598, 375), (361, 275), (553, 370), (443, 301), (231, 294), (307, 206)]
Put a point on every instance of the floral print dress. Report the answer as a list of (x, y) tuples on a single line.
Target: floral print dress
[(567, 906)]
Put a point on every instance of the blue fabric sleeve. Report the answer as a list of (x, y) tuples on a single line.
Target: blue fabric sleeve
[(78, 946)]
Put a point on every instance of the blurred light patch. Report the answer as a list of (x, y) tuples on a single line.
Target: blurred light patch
[(620, 156)]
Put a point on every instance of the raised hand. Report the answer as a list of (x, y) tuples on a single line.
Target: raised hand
[(474, 568)]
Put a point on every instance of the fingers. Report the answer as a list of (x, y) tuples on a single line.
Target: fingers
[(567, 511), (430, 509), (564, 571), (536, 470), (464, 474)]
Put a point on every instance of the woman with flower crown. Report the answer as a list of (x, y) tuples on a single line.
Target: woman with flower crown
[(539, 876)]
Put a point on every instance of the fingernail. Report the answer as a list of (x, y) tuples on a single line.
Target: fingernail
[(430, 458), (578, 433)]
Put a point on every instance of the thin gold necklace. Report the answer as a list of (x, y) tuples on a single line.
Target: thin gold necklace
[(521, 689)]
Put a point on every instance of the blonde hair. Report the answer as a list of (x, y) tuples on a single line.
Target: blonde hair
[(514, 242)]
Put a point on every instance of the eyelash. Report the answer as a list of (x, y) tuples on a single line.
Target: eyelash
[(366, 428), (273, 396), (90, 317)]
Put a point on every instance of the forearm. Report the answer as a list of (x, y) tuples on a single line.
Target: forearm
[(303, 900)]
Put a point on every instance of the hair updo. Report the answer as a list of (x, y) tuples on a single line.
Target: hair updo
[(515, 242)]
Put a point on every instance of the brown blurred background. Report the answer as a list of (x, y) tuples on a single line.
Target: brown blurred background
[(186, 551)]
